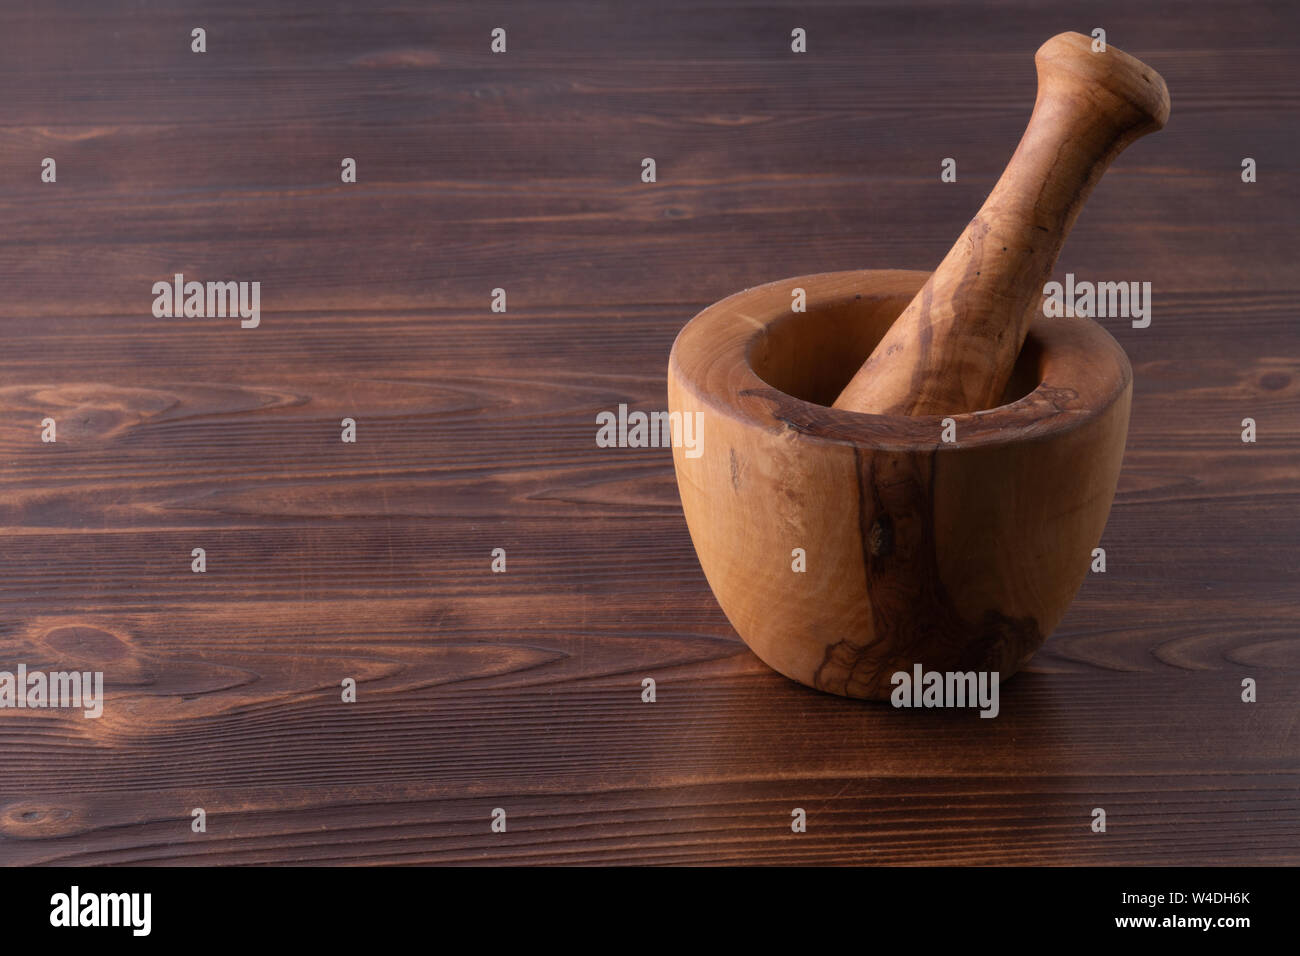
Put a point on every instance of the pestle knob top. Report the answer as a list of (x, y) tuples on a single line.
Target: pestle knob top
[(1120, 85)]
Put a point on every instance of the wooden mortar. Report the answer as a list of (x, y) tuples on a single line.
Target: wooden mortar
[(957, 556)]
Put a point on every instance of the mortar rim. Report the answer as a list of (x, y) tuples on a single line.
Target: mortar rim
[(1049, 410)]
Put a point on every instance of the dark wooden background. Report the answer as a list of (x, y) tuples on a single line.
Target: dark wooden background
[(476, 430)]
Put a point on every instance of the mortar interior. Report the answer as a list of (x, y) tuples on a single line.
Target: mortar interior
[(812, 355)]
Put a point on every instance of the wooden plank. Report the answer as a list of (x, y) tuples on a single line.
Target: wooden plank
[(476, 430)]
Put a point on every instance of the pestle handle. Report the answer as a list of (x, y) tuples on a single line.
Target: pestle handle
[(952, 349)]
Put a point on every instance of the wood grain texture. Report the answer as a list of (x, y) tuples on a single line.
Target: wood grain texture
[(956, 556), (476, 430), (953, 348)]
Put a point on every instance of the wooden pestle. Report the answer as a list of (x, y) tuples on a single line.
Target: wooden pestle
[(952, 349)]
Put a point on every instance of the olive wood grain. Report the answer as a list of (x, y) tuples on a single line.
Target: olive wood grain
[(957, 557), (953, 348)]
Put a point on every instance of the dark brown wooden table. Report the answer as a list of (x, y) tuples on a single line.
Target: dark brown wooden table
[(476, 430)]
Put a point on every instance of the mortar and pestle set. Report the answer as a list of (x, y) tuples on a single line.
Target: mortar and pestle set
[(824, 428)]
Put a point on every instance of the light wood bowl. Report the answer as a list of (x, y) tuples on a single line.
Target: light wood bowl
[(958, 556)]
